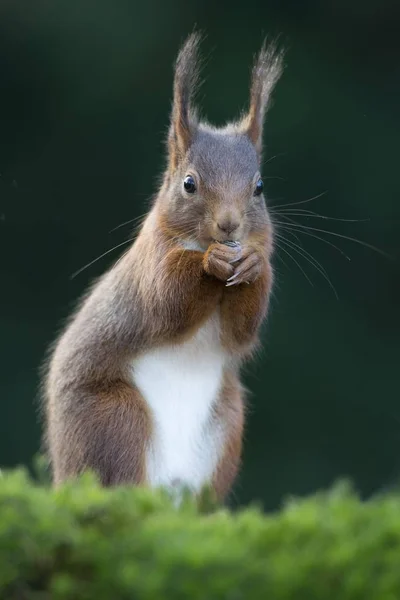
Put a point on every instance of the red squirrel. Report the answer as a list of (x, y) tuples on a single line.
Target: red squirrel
[(143, 386)]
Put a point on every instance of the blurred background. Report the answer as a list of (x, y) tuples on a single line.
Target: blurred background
[(85, 91)]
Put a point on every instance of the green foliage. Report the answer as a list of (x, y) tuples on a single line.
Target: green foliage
[(85, 542)]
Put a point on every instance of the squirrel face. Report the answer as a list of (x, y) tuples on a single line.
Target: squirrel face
[(213, 188), (216, 193)]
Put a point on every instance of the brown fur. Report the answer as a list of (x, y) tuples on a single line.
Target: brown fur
[(104, 431), (230, 411), (161, 292)]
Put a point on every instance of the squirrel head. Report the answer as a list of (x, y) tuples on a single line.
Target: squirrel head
[(213, 188)]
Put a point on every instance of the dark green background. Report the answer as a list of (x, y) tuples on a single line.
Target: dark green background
[(85, 90)]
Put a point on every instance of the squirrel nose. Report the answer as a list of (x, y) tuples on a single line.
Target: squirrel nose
[(228, 226)]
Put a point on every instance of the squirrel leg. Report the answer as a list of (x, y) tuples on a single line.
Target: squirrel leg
[(230, 411), (100, 430)]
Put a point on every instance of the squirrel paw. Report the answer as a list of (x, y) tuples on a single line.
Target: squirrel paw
[(249, 269), (219, 260)]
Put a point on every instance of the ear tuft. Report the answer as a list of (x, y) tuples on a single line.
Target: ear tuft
[(183, 118), (266, 72)]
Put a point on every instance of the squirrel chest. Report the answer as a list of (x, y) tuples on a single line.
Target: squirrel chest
[(181, 384)]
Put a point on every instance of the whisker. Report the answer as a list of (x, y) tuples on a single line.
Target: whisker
[(193, 232), (273, 157), (340, 235), (296, 262), (303, 201), (127, 222), (180, 258), (315, 264), (289, 232), (121, 257), (317, 237), (281, 259), (99, 257), (311, 214), (307, 254)]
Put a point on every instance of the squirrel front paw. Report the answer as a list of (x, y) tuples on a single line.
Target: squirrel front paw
[(249, 269), (219, 260)]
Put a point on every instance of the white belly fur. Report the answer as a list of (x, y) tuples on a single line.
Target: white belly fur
[(180, 384)]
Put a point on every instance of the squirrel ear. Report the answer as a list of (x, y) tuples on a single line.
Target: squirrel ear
[(183, 118), (267, 69)]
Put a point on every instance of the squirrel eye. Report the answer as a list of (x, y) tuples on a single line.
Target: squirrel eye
[(259, 187), (189, 184)]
